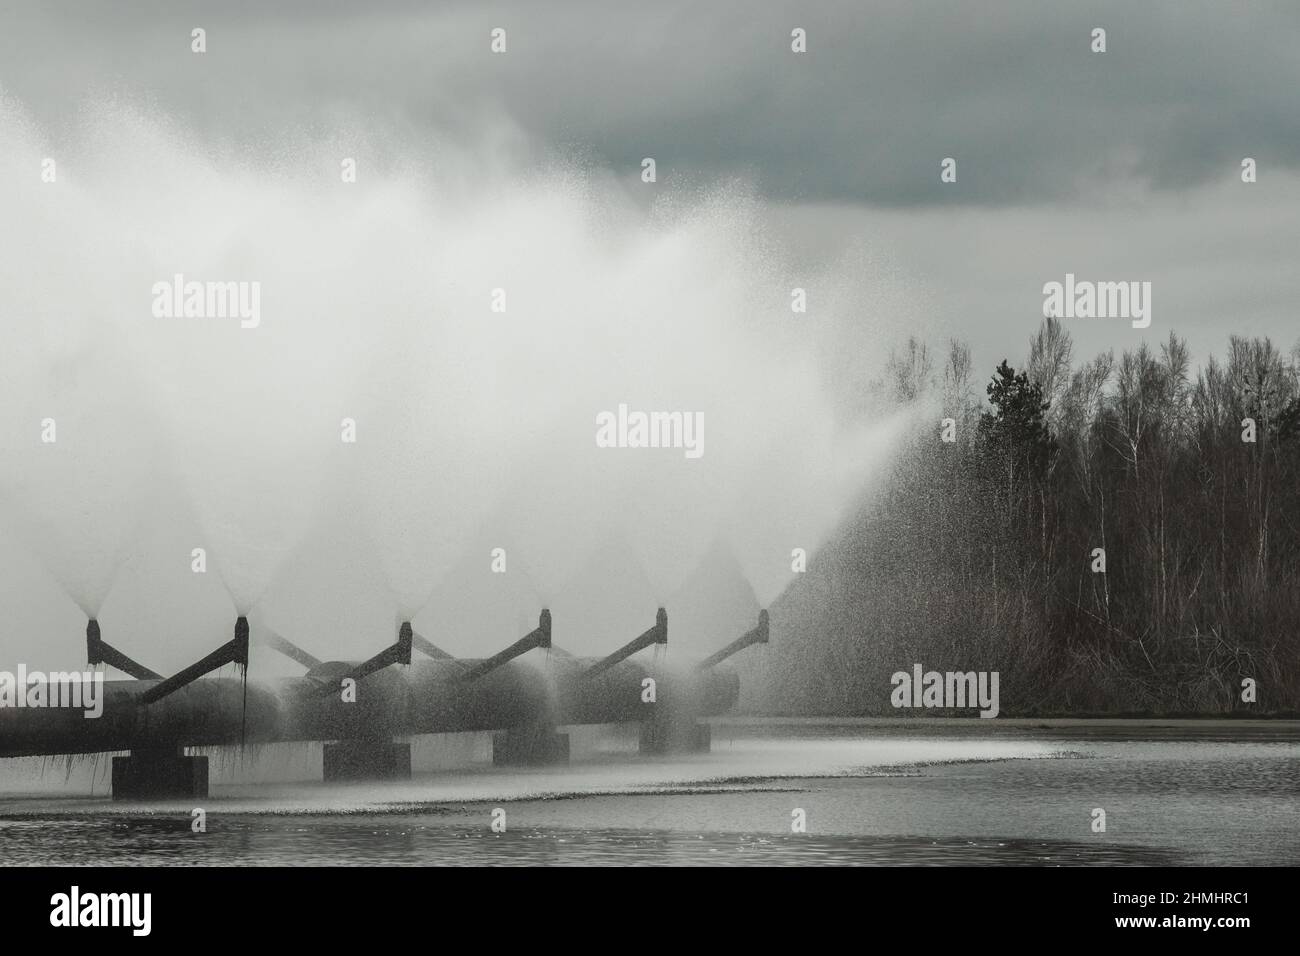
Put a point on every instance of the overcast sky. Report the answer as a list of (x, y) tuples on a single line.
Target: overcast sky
[(1122, 165)]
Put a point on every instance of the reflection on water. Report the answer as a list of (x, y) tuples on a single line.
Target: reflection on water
[(369, 841), (872, 794)]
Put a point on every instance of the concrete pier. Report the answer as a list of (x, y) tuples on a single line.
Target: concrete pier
[(159, 775), (367, 760), (661, 736), (532, 746)]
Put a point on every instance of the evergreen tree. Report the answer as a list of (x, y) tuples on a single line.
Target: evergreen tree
[(1017, 428)]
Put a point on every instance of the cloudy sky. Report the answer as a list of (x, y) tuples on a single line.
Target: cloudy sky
[(1013, 88), (1119, 165), (818, 169)]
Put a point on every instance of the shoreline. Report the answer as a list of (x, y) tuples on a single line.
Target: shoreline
[(1278, 728)]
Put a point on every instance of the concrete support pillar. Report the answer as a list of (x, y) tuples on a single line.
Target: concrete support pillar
[(159, 775), (533, 746), (661, 736), (367, 760)]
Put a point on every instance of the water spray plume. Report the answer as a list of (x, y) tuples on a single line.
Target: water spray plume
[(438, 357)]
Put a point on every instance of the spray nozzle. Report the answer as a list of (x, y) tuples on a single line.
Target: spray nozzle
[(544, 625)]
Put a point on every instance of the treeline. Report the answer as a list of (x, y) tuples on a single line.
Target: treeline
[(986, 551)]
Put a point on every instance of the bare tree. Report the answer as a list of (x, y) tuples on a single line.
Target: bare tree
[(1049, 365), (911, 373)]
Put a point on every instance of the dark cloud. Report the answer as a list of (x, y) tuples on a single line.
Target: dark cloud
[(712, 90)]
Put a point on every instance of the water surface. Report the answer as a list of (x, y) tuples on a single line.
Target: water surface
[(910, 792)]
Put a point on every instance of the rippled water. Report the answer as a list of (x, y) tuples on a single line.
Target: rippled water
[(875, 792)]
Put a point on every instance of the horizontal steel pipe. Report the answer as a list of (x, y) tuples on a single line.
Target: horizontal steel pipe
[(429, 697)]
